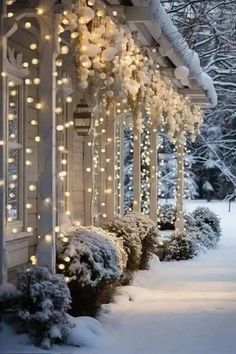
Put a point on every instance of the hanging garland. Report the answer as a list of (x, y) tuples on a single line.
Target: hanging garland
[(109, 58)]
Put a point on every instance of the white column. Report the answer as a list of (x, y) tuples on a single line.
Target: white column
[(3, 138), (88, 180), (121, 198), (110, 164), (153, 174), (137, 171), (46, 251), (102, 172), (179, 224)]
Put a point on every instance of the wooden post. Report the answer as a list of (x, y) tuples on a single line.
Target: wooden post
[(153, 174), (3, 139), (110, 164), (179, 224), (137, 171), (46, 251)]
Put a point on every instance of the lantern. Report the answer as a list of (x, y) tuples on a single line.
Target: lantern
[(82, 118)]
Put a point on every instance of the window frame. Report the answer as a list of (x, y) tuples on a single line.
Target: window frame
[(20, 222)]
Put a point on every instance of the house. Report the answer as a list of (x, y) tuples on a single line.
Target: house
[(61, 139)]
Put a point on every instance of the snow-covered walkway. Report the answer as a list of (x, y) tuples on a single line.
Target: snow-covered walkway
[(180, 307), (175, 308)]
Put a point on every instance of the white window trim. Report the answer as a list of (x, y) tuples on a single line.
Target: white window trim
[(20, 223)]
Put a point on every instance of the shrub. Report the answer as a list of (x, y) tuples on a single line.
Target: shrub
[(181, 247), (93, 261), (132, 246), (207, 216), (166, 217), (189, 221), (148, 234), (9, 299), (209, 238), (45, 299)]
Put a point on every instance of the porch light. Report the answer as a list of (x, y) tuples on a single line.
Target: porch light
[(82, 118)]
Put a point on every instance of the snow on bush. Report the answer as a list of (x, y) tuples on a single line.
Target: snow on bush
[(209, 237), (166, 217), (93, 262), (202, 232), (132, 245), (9, 298), (84, 331), (182, 246), (45, 299), (91, 255), (207, 216), (147, 232)]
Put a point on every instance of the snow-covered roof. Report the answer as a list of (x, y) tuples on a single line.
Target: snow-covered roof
[(156, 28), (188, 56)]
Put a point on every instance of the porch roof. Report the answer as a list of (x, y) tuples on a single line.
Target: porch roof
[(157, 30)]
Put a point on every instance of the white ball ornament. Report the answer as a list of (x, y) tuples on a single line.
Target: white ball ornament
[(108, 54), (84, 73), (85, 61), (110, 93), (93, 50), (102, 76), (181, 72), (83, 85), (110, 80), (91, 72), (86, 14)]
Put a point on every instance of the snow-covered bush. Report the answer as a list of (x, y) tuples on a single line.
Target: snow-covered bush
[(207, 216), (189, 221), (132, 246), (182, 246), (166, 217), (93, 261), (147, 232), (209, 237), (9, 299), (45, 299)]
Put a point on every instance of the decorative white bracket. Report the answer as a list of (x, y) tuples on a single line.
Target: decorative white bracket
[(134, 14)]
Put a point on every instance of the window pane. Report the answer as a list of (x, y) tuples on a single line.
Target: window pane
[(13, 185), (13, 113)]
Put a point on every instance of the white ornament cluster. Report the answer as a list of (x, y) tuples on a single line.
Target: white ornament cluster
[(110, 59)]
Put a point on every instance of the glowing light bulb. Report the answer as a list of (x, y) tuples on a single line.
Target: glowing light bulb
[(36, 81), (39, 11), (64, 49), (60, 127), (38, 105), (35, 61), (33, 46), (30, 99), (28, 25), (48, 238), (61, 266)]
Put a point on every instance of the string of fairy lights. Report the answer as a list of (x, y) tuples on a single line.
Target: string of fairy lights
[(100, 184), (63, 124)]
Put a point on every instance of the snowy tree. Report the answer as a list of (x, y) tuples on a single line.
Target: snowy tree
[(128, 169), (209, 27)]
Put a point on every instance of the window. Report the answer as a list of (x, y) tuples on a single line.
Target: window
[(15, 170)]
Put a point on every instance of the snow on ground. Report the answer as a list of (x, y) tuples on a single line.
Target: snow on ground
[(184, 307)]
